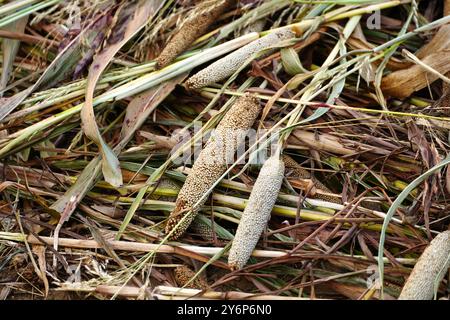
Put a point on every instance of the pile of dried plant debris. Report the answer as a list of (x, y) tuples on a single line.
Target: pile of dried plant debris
[(111, 113)]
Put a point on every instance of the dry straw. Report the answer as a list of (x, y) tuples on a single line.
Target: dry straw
[(174, 293), (183, 276), (194, 27), (429, 270), (212, 162), (225, 67), (257, 212)]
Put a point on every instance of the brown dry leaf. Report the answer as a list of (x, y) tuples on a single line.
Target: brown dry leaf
[(33, 176), (350, 291), (160, 141), (326, 142), (5, 292), (441, 39), (112, 212), (418, 138), (430, 158), (434, 54), (130, 176), (403, 83), (39, 250), (125, 29)]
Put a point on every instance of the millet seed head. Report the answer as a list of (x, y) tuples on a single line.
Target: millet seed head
[(212, 161), (257, 212), (184, 274), (165, 183), (226, 66), (193, 28), (202, 229), (298, 172), (429, 269)]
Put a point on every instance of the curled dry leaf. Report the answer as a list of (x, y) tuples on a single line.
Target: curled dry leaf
[(226, 66), (130, 19)]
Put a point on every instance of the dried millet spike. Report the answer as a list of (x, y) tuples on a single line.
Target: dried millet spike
[(299, 172), (226, 66), (193, 28), (296, 169), (202, 229), (183, 275), (429, 269), (212, 161), (257, 212)]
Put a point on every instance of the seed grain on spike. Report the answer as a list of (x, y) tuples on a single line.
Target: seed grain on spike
[(191, 29), (202, 229), (184, 274), (300, 173), (257, 212), (429, 270), (212, 161), (226, 66)]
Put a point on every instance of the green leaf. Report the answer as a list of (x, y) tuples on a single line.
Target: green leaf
[(141, 13), (10, 48), (63, 65)]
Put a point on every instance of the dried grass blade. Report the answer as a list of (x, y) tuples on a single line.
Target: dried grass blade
[(142, 12), (10, 48), (396, 204), (90, 174)]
